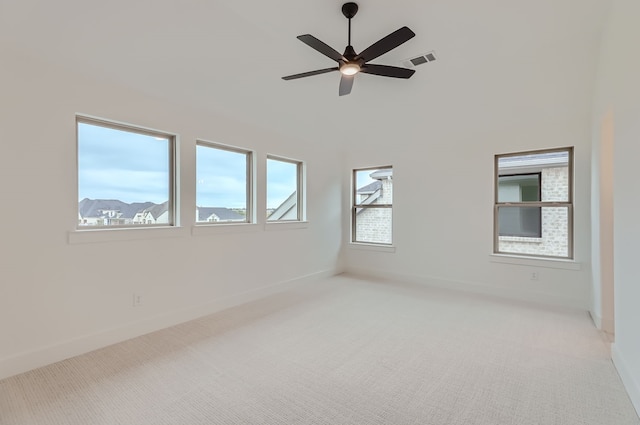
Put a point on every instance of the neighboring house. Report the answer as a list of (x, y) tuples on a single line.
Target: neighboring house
[(288, 210), (374, 224), (155, 214), (108, 212), (216, 214), (538, 231)]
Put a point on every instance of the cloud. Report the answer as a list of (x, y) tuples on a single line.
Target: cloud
[(281, 181), (221, 177), (134, 167), (116, 164)]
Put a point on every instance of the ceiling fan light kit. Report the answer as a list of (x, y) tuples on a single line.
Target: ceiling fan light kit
[(351, 63)]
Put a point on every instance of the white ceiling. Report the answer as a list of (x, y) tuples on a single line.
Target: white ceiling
[(513, 59)]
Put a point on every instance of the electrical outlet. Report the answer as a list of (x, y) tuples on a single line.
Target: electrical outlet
[(137, 299), (535, 276)]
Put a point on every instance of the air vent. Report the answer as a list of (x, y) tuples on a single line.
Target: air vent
[(419, 60)]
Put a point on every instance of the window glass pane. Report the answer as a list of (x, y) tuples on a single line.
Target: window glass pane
[(373, 225), (221, 185), (554, 236), (123, 177), (282, 190), (369, 186), (515, 177), (519, 188), (520, 221)]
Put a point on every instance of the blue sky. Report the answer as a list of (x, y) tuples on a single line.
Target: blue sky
[(133, 167), (115, 164), (281, 181), (363, 179)]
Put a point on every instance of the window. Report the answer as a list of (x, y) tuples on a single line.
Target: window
[(371, 213), (125, 175), (284, 190), (223, 184), (533, 210)]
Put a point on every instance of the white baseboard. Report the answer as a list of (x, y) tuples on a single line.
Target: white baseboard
[(472, 287), (631, 383), (605, 325), (43, 356), (597, 320)]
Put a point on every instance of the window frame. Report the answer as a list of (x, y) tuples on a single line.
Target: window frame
[(355, 206), (249, 157), (172, 143), (568, 204), (300, 196)]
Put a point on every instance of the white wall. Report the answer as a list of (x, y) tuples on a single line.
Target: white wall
[(59, 299), (442, 155), (618, 93)]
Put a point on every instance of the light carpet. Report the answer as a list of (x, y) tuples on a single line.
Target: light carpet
[(341, 351)]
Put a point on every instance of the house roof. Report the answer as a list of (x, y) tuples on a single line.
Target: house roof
[(371, 187), (286, 207), (533, 162), (158, 209), (222, 213)]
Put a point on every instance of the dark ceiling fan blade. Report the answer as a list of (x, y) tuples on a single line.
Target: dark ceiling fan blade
[(310, 73), (387, 43), (346, 82), (387, 71), (323, 48)]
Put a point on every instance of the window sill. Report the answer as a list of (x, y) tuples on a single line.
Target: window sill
[(551, 263), (223, 228), (372, 247), (285, 225), (122, 234), (520, 239)]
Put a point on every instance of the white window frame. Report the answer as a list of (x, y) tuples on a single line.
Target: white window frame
[(568, 204), (250, 196), (355, 206), (300, 188), (172, 171)]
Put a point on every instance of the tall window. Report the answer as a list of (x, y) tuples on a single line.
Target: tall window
[(125, 175), (284, 189), (533, 212), (223, 184), (371, 213)]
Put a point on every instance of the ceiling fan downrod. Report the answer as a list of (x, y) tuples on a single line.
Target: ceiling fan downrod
[(349, 10)]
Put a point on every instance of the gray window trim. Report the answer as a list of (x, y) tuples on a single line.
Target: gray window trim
[(300, 211), (565, 204), (356, 208), (172, 146), (249, 155)]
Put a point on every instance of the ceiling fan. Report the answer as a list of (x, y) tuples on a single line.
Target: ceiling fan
[(350, 63)]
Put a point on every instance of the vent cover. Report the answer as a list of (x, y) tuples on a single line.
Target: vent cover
[(419, 60)]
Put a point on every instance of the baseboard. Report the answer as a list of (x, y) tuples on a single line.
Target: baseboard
[(630, 383), (470, 287), (597, 320), (43, 356), (605, 325)]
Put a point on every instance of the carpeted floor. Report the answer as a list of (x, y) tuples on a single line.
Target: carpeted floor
[(345, 351)]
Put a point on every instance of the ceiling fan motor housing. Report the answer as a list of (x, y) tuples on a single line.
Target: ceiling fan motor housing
[(349, 10)]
